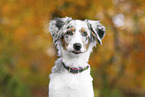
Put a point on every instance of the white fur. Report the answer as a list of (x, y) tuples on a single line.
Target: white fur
[(62, 82)]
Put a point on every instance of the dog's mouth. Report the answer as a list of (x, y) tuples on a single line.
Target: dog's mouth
[(76, 52)]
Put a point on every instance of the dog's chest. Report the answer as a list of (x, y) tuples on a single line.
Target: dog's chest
[(73, 81), (74, 84)]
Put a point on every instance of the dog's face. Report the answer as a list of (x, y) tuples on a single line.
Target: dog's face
[(76, 35)]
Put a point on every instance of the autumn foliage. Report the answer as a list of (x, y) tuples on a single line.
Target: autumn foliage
[(27, 53)]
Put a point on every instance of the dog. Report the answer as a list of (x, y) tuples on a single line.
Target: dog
[(74, 40)]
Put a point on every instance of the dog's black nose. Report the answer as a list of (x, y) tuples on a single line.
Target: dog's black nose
[(77, 46)]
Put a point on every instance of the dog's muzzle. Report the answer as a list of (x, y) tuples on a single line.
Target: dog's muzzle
[(77, 46)]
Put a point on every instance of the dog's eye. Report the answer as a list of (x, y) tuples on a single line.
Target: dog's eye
[(84, 34), (69, 33)]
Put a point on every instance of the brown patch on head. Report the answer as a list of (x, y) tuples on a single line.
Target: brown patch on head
[(82, 30), (87, 45), (64, 44), (72, 29)]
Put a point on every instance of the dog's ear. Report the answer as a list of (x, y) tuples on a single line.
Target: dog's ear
[(97, 30), (57, 27)]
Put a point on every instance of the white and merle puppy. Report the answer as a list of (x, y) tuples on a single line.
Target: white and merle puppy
[(74, 39)]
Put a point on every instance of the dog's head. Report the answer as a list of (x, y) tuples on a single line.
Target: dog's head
[(76, 36)]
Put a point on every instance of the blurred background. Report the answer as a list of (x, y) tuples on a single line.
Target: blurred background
[(27, 52)]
